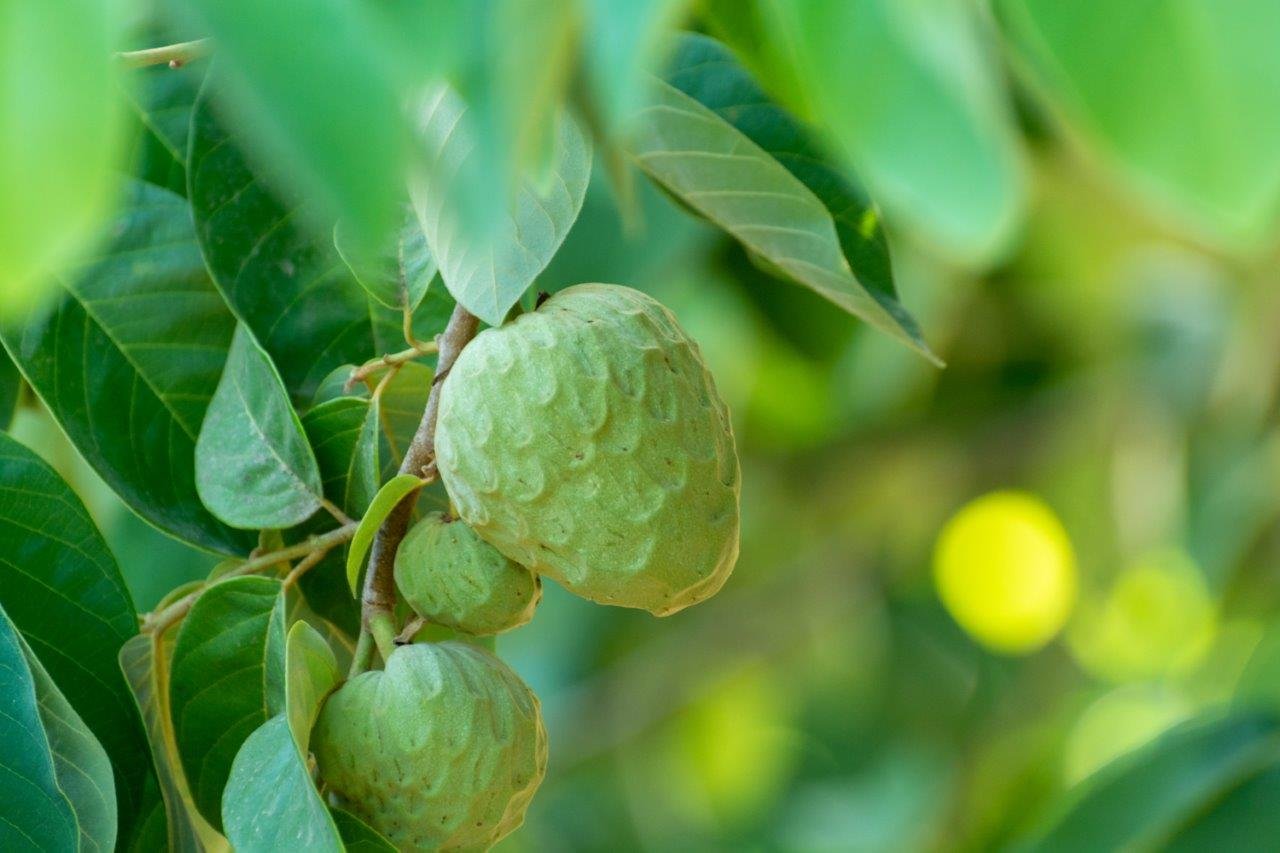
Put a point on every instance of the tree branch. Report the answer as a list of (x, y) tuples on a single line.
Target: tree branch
[(309, 548), (173, 55), (379, 598)]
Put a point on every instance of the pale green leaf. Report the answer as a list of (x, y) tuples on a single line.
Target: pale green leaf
[(488, 270), (719, 172), (254, 467), (388, 496), (311, 673), (399, 271), (1182, 96)]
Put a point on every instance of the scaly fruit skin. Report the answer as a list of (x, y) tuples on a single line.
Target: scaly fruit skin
[(452, 577), (442, 750), (586, 441)]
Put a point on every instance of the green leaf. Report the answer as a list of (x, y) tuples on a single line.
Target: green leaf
[(311, 674), (1182, 96), (1248, 818), (908, 94), (358, 836), (142, 660), (227, 680), (283, 280), (163, 99), (329, 119), (270, 802), (487, 271), (1142, 799), (344, 435), (62, 589), (60, 135), (398, 273), (713, 167), (403, 401), (56, 792), (388, 496), (706, 71), (140, 324), (623, 41), (10, 389), (254, 467)]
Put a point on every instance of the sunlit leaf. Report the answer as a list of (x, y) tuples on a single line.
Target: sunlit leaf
[(56, 792), (227, 679), (487, 271), (143, 325), (62, 589), (60, 136), (254, 467), (1183, 96), (328, 120), (909, 96)]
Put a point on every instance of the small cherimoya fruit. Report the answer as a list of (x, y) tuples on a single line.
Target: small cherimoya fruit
[(442, 750), (586, 441), (452, 577)]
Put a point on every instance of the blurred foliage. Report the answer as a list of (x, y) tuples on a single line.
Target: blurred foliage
[(1083, 222)]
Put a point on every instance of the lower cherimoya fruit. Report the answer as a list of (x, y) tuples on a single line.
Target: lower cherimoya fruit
[(442, 750), (452, 577), (586, 441)]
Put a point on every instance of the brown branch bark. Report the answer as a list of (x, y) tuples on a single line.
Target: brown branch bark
[(379, 597)]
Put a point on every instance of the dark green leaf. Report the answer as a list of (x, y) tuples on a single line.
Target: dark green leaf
[(254, 467), (1248, 818), (142, 661), (718, 171), (358, 836), (286, 283), (56, 791), (706, 71), (330, 119), (1140, 800), (227, 680), (1194, 117), (163, 98), (63, 590), (128, 358), (487, 270), (271, 803), (398, 273), (403, 400), (344, 435), (915, 106)]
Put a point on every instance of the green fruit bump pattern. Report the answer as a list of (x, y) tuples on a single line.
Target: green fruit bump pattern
[(586, 441), (452, 577), (441, 750)]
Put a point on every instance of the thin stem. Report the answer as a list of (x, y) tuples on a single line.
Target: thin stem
[(334, 510), (383, 628), (362, 656), (173, 55), (391, 359), (305, 565), (158, 621), (379, 596)]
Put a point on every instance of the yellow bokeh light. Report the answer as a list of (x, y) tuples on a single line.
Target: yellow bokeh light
[(1005, 570)]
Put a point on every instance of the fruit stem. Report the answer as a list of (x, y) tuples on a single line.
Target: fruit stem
[(379, 597), (383, 628), (361, 657)]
